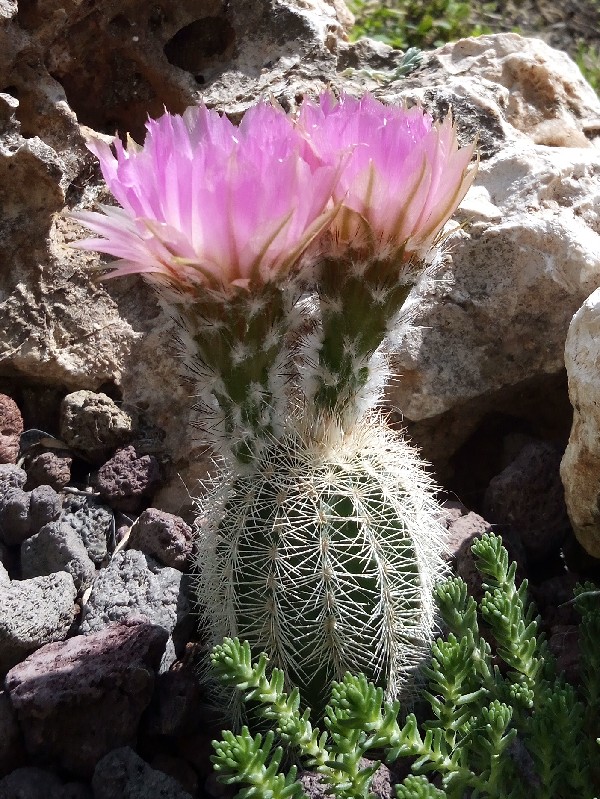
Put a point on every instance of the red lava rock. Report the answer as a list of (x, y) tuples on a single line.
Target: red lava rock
[(165, 536), (464, 528), (174, 708), (49, 468), (127, 479), (528, 498), (78, 699), (11, 427)]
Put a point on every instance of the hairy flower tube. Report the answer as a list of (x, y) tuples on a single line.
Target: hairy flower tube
[(401, 178), (217, 216)]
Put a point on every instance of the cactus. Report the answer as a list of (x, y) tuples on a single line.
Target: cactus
[(325, 557)]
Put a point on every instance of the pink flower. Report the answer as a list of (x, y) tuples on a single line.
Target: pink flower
[(206, 202), (403, 174)]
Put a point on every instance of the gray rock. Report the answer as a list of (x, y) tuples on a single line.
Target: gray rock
[(93, 423), (33, 613), (11, 476), (22, 513), (94, 524), (30, 783), (15, 525), (164, 536), (78, 699), (122, 774), (45, 506), (4, 575), (57, 548), (134, 586)]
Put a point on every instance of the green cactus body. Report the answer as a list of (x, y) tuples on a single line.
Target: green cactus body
[(325, 557)]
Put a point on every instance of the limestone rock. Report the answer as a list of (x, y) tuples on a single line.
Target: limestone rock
[(580, 467)]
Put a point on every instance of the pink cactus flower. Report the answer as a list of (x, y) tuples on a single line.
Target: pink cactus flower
[(206, 203), (403, 175)]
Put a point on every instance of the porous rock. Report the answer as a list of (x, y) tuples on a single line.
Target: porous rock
[(164, 536), (33, 613), (49, 467), (57, 548), (122, 774), (127, 479), (133, 585), (93, 423), (93, 523), (30, 782), (528, 498), (580, 467), (78, 699), (11, 477), (11, 427), (23, 513)]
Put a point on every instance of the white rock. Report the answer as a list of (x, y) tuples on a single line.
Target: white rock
[(580, 468)]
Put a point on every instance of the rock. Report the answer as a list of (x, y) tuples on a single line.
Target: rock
[(57, 548), (164, 536), (528, 498), (122, 774), (490, 338), (93, 523), (580, 467), (177, 768), (464, 528), (15, 524), (93, 423), (11, 477), (44, 506), (4, 575), (33, 613), (22, 513), (30, 783), (552, 598), (127, 479), (51, 468), (135, 586), (174, 708), (12, 752), (78, 699), (11, 427)]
